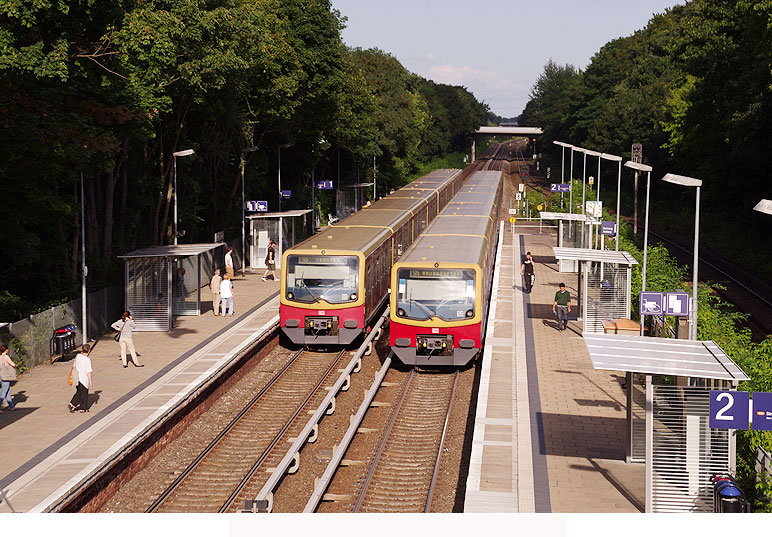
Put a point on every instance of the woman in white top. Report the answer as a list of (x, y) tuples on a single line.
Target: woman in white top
[(81, 372), (226, 294), (126, 326)]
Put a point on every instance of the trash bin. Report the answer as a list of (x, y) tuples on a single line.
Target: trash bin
[(63, 340), (727, 495)]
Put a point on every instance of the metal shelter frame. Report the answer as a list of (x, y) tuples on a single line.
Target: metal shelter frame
[(681, 451), (570, 234), (158, 279), (604, 293), (266, 226)]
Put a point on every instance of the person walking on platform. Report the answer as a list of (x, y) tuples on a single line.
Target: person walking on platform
[(81, 371), (270, 261), (7, 375), (226, 295), (214, 285), (561, 306), (526, 270), (229, 262), (125, 327)]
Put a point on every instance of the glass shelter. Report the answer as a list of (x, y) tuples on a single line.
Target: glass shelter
[(573, 232), (668, 414), (604, 284), (165, 281), (282, 227)]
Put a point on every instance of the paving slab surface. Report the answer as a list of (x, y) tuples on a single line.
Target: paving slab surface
[(549, 430), (45, 450)]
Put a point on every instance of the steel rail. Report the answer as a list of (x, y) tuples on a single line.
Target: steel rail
[(392, 421), (278, 436), (339, 452), (442, 443), (216, 440), (263, 502)]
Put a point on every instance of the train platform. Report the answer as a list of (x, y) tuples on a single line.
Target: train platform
[(47, 451), (549, 429)]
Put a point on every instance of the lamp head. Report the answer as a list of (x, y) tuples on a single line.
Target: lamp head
[(681, 180), (638, 166), (764, 206), (183, 153)]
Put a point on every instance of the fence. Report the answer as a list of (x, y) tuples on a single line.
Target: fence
[(34, 333)]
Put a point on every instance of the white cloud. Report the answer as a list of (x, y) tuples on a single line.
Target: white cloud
[(490, 86)]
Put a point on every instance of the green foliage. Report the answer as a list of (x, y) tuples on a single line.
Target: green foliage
[(112, 89)]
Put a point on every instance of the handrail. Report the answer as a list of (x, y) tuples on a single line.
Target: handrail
[(263, 502)]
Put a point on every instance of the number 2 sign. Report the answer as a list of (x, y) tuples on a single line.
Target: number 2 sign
[(729, 409)]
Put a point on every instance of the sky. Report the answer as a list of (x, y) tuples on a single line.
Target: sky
[(495, 48)]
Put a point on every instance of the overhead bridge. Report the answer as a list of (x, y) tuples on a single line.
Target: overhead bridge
[(525, 131), (522, 131)]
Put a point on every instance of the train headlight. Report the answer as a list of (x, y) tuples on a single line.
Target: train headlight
[(400, 312), (290, 295), (470, 313), (353, 296)]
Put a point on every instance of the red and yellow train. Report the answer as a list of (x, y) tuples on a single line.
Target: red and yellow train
[(333, 283), (441, 286)]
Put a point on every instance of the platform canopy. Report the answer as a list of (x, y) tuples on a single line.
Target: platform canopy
[(284, 214), (545, 215), (172, 250), (660, 356), (529, 131), (599, 256)]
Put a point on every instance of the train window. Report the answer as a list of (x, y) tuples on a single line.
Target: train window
[(311, 278), (448, 294)]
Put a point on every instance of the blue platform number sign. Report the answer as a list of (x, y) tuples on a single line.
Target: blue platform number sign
[(324, 185), (560, 187), (762, 411), (286, 194), (729, 409)]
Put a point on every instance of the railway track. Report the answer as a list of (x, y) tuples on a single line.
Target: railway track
[(230, 465), (397, 463)]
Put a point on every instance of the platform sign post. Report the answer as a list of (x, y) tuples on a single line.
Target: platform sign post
[(651, 303), (762, 411), (608, 228), (729, 409), (257, 206), (677, 304)]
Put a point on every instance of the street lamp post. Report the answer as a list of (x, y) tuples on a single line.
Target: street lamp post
[(591, 153), (690, 181), (637, 166), (571, 180), (244, 153), (619, 186), (282, 146), (84, 268), (563, 145), (183, 153)]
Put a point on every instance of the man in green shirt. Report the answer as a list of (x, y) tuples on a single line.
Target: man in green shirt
[(562, 306)]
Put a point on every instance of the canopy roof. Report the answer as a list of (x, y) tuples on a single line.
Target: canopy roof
[(172, 250), (545, 215), (659, 356), (284, 214), (589, 254)]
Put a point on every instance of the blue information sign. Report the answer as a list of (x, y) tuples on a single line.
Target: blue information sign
[(677, 304), (286, 194), (762, 411), (324, 185), (651, 303), (257, 206), (560, 187), (608, 228), (729, 409)]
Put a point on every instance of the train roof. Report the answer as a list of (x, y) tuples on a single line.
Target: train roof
[(462, 230), (364, 230)]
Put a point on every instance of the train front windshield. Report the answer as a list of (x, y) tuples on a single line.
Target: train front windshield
[(311, 278), (447, 294)]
